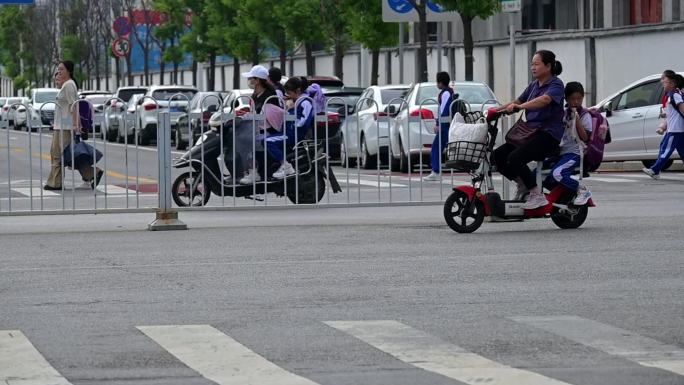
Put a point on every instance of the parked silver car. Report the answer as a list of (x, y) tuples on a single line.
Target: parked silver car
[(115, 111), (633, 114)]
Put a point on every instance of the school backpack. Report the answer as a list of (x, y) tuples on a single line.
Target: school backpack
[(86, 116), (599, 137), (670, 97)]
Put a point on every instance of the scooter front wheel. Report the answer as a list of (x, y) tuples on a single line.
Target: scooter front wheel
[(184, 195), (462, 214)]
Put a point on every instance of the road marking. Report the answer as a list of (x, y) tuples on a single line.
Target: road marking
[(115, 190), (429, 353), (610, 180), (372, 183), (114, 174), (36, 192), (22, 364), (218, 357), (612, 340)]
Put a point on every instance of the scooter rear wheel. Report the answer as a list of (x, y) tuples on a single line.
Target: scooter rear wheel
[(180, 190), (463, 215), (304, 192), (574, 217)]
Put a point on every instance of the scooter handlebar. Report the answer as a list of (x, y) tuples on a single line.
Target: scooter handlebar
[(495, 113)]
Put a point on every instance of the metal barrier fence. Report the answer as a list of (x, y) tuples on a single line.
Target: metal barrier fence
[(237, 158)]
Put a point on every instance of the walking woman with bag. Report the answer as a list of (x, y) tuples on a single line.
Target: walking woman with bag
[(66, 125), (539, 136)]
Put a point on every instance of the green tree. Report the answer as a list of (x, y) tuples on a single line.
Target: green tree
[(366, 27), (168, 34), (335, 23), (303, 22), (469, 10)]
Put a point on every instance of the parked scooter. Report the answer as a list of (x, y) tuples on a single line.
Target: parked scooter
[(466, 208), (194, 188)]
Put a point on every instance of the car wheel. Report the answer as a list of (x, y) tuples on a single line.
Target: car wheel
[(344, 160), (368, 161)]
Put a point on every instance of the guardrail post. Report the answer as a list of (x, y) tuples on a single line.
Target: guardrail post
[(167, 218)]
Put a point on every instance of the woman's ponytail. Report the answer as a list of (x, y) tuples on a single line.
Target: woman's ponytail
[(557, 68)]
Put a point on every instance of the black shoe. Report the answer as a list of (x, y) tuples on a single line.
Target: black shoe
[(96, 181), (50, 188)]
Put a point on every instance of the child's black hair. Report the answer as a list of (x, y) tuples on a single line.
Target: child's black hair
[(573, 87)]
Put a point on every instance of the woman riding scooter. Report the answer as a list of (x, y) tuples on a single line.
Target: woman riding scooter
[(540, 135)]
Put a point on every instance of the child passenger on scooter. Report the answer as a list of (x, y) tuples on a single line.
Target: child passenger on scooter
[(294, 131), (578, 126)]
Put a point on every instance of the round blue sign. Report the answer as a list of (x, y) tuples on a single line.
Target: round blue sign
[(122, 26), (401, 6)]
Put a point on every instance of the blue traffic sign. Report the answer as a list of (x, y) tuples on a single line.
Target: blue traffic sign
[(404, 6)]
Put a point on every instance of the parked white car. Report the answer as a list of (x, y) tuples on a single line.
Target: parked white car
[(8, 111), (149, 112), (411, 131), (125, 132), (43, 106), (365, 134), (238, 99), (98, 101), (116, 110), (633, 114)]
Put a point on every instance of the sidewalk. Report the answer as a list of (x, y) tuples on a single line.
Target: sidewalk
[(87, 223)]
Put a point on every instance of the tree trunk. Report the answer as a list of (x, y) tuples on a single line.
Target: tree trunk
[(310, 63), (211, 79), (468, 46), (283, 60), (175, 72), (117, 62), (236, 73), (339, 59), (129, 73), (255, 51), (194, 72), (422, 52), (162, 65), (375, 57)]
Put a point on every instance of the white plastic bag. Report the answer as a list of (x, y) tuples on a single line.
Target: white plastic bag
[(464, 132)]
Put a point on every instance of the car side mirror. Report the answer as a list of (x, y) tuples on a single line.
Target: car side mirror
[(350, 109), (212, 108), (392, 109), (608, 109)]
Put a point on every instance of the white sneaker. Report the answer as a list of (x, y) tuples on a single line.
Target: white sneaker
[(521, 192), (251, 177), (86, 185), (650, 173), (284, 170), (583, 195), (433, 177), (535, 201)]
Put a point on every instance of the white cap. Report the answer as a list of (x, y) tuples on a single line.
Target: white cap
[(257, 72)]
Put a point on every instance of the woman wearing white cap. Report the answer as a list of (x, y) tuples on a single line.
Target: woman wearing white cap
[(264, 92)]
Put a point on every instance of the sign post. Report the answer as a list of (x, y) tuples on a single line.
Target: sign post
[(510, 7)]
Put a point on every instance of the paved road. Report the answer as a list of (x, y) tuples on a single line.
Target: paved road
[(339, 296)]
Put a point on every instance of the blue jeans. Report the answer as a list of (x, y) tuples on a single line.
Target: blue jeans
[(438, 147), (670, 142)]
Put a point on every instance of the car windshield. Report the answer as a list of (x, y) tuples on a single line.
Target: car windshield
[(208, 99), (46, 96), (98, 99), (180, 94), (126, 94), (474, 93), (334, 102), (427, 92), (389, 94), (11, 101)]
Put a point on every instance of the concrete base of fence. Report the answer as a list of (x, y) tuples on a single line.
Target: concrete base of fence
[(166, 221)]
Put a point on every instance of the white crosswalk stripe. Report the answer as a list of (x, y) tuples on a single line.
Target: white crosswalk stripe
[(432, 354), (218, 357), (612, 340), (22, 364)]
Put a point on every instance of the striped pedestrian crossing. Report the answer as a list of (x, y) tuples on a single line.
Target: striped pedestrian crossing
[(216, 356)]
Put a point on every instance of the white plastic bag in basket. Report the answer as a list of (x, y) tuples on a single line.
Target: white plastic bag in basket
[(464, 132)]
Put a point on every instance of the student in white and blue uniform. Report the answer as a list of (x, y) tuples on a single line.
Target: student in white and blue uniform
[(674, 137), (578, 127), (294, 131), (445, 99)]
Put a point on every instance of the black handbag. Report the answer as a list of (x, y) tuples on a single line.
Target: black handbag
[(521, 133)]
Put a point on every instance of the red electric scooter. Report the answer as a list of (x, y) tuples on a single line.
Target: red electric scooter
[(466, 208)]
